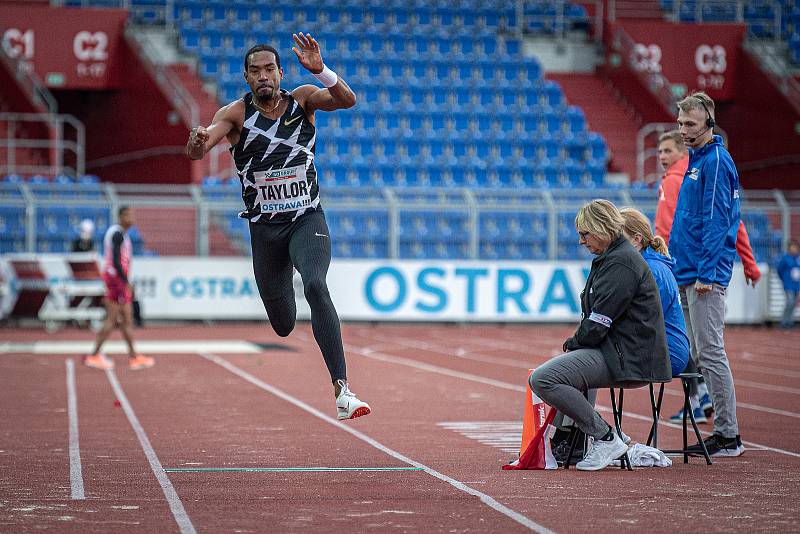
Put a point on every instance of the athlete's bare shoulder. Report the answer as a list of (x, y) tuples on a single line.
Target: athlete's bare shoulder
[(232, 112)]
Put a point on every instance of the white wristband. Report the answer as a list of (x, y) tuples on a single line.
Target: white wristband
[(327, 77)]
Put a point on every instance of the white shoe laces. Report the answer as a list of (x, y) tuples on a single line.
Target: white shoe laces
[(589, 447), (345, 391), (596, 451)]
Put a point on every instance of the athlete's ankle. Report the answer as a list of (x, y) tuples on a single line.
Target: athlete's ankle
[(338, 385)]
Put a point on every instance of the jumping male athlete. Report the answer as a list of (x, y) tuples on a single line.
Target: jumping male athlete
[(272, 137)]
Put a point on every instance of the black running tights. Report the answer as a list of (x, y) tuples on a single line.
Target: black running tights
[(305, 245)]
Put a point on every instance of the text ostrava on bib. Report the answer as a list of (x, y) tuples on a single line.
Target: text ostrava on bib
[(282, 190)]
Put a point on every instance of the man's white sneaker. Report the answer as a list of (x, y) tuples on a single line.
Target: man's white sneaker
[(602, 454), (348, 406)]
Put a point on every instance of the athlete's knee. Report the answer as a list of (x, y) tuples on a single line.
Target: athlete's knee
[(315, 289), (283, 330), (282, 326)]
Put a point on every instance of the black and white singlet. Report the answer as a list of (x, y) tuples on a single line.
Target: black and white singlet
[(275, 163)]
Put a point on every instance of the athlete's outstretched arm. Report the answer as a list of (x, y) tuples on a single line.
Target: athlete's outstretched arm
[(336, 96), (201, 139)]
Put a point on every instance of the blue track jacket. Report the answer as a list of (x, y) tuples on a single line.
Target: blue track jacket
[(703, 238), (789, 271), (677, 340)]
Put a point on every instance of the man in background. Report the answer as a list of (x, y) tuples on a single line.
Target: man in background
[(703, 243), (674, 158), (85, 240), (789, 273), (117, 255)]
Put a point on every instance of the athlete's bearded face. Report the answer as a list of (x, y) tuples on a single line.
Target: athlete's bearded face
[(263, 75)]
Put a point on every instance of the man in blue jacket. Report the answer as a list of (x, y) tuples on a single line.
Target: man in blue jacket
[(789, 272), (703, 243)]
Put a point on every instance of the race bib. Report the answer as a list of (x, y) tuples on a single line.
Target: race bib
[(282, 190)]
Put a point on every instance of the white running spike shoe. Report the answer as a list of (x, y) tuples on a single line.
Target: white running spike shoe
[(348, 406)]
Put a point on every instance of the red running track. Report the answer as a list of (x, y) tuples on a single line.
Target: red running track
[(274, 409)]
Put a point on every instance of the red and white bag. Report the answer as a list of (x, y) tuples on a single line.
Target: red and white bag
[(537, 428)]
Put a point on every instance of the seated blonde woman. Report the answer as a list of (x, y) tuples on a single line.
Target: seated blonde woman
[(620, 340)]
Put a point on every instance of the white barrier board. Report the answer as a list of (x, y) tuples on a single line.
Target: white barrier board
[(217, 288), (382, 290)]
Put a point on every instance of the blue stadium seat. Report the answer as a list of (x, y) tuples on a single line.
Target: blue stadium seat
[(12, 222), (189, 12), (52, 244), (88, 179)]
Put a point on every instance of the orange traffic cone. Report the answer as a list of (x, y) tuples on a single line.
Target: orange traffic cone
[(529, 426), (535, 450)]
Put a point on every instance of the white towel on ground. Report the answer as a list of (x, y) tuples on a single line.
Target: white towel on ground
[(644, 456)]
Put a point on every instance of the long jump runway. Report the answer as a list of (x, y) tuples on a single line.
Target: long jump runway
[(234, 430)]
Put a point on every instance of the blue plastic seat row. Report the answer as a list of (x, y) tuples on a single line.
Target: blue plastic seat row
[(374, 248), (761, 16), (502, 70), (511, 251), (401, 178), (333, 15), (433, 250), (63, 220), (61, 179), (430, 144), (443, 234), (500, 75), (363, 224)]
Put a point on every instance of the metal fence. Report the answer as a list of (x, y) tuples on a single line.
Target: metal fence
[(385, 223)]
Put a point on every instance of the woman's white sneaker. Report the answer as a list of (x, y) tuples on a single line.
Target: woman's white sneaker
[(602, 454)]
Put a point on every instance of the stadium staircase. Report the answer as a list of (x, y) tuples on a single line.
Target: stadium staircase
[(606, 113), (181, 238), (206, 102), (219, 241)]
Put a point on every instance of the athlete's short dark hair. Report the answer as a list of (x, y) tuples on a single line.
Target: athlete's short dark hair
[(261, 48), (122, 209)]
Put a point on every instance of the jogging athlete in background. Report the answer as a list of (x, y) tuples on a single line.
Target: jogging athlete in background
[(117, 255)]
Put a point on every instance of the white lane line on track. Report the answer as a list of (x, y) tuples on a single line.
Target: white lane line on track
[(459, 352), (767, 387), (369, 353), (75, 471), (488, 343), (175, 504), (486, 499), (765, 370), (119, 347), (430, 347)]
